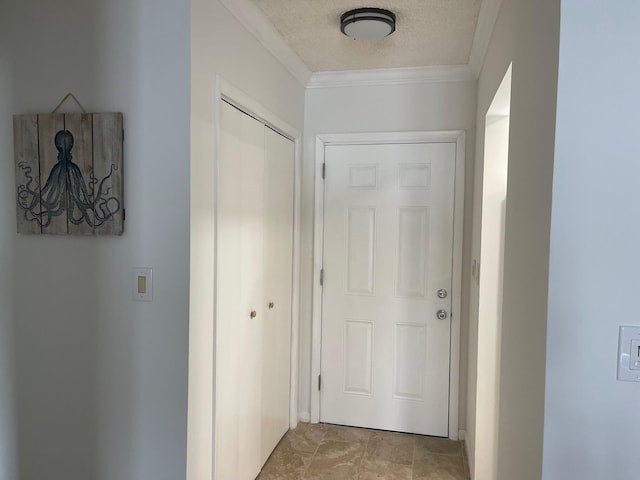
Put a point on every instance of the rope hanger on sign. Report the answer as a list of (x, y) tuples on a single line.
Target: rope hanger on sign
[(65, 99)]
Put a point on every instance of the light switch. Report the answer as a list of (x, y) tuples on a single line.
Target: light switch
[(143, 284), (629, 354)]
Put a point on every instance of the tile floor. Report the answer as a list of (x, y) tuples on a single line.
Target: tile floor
[(330, 452)]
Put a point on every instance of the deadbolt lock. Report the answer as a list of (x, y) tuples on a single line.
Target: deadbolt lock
[(442, 293)]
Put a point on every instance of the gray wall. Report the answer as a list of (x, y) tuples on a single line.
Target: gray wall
[(99, 382), (592, 423)]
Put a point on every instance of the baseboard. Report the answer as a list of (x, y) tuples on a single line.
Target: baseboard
[(462, 435), (304, 417)]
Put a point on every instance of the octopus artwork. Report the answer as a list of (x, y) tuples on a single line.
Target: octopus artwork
[(66, 191), (69, 173)]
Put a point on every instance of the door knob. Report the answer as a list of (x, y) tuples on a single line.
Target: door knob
[(271, 304), (442, 314), (442, 293), (253, 314)]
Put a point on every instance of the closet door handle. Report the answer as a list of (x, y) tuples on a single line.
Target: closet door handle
[(253, 314), (271, 305)]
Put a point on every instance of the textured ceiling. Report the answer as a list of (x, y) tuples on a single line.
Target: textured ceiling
[(428, 32)]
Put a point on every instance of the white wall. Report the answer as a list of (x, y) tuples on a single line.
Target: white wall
[(219, 46), (592, 424), (412, 107), (526, 33), (100, 381)]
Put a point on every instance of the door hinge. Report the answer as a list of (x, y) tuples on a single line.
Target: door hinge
[(319, 381), (322, 277), (324, 171)]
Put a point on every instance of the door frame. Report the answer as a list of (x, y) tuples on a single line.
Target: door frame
[(225, 91), (382, 138)]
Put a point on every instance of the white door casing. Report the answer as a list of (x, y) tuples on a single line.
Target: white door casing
[(227, 92), (388, 208)]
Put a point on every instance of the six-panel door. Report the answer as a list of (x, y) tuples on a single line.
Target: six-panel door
[(388, 235)]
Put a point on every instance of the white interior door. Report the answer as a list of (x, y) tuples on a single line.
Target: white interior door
[(240, 291), (278, 249), (388, 240), (254, 294)]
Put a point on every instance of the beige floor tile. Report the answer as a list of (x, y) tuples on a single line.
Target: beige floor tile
[(439, 467), (285, 465), (332, 452), (376, 469), (305, 438), (443, 446), (347, 434), (336, 460), (391, 447)]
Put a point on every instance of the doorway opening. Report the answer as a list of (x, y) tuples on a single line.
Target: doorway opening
[(494, 201)]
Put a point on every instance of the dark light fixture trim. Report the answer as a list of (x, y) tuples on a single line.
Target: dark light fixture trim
[(368, 14)]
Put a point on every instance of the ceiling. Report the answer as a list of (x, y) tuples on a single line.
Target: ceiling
[(428, 33)]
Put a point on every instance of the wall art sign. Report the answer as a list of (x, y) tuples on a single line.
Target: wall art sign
[(69, 173)]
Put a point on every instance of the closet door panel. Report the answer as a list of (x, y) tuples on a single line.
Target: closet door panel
[(278, 252), (240, 291)]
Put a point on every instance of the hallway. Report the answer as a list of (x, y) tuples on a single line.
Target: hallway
[(329, 452)]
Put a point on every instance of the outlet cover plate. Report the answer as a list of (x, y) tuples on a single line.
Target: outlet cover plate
[(627, 356)]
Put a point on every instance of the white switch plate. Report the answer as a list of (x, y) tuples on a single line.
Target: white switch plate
[(634, 355), (143, 284), (629, 354)]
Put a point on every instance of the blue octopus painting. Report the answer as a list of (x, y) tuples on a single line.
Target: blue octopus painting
[(65, 191)]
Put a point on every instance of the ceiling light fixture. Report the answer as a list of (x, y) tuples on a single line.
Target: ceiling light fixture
[(368, 23)]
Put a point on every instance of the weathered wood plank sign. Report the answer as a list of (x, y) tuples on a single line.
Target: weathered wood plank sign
[(69, 173)]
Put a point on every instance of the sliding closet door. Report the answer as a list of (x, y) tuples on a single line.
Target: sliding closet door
[(240, 284), (278, 249)]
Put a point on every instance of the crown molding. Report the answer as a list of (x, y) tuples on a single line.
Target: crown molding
[(252, 18), (392, 76), (489, 10)]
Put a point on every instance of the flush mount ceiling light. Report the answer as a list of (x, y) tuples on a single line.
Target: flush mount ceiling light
[(368, 23)]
